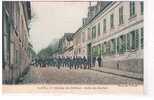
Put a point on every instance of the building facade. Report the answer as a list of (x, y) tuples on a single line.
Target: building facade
[(16, 17), (65, 47), (113, 30)]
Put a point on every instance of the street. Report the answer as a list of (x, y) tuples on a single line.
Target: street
[(53, 75)]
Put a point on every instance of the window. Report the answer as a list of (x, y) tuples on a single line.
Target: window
[(108, 47), (137, 39), (128, 41), (142, 7), (104, 25), (132, 8), (118, 45), (94, 32), (89, 34), (99, 50), (112, 21), (122, 44), (113, 46), (79, 50), (121, 20), (103, 49), (142, 38), (7, 25), (98, 29), (134, 40), (132, 36), (95, 51), (7, 39)]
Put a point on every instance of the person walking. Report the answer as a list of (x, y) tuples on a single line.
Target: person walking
[(71, 62), (75, 62), (80, 62), (94, 60), (99, 60), (89, 61), (59, 62), (85, 62)]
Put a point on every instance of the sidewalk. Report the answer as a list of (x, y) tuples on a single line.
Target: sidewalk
[(119, 72)]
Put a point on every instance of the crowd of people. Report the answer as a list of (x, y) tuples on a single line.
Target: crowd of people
[(75, 62)]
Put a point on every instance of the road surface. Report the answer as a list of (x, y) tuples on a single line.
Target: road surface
[(52, 75)]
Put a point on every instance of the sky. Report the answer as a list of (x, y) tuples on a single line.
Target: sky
[(52, 19)]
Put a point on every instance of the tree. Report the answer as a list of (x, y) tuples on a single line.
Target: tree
[(49, 50)]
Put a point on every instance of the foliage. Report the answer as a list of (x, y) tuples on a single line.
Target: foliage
[(48, 51)]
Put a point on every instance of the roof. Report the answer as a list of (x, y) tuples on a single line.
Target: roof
[(103, 6), (68, 36)]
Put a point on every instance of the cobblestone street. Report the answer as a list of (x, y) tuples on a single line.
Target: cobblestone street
[(52, 75)]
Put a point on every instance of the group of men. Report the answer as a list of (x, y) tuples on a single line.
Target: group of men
[(75, 62)]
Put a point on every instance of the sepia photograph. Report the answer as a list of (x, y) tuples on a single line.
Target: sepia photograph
[(73, 46)]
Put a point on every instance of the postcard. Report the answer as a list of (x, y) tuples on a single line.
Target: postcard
[(77, 47)]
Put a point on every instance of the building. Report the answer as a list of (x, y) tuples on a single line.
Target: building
[(31, 53), (113, 30), (65, 47), (77, 43), (82, 37), (16, 16)]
